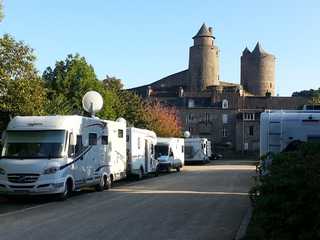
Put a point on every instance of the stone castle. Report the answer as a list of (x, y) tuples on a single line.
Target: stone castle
[(226, 113)]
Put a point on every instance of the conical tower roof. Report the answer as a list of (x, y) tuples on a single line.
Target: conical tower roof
[(258, 50), (203, 32), (246, 51)]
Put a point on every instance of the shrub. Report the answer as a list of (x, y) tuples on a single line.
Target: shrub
[(287, 201)]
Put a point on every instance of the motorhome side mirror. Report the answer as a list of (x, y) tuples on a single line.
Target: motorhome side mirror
[(3, 136)]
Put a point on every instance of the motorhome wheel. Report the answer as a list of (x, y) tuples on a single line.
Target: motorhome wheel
[(102, 184), (141, 173), (67, 190), (109, 182)]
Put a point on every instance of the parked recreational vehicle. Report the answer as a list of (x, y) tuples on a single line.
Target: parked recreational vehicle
[(197, 150), (170, 153), (280, 128), (140, 152), (60, 154)]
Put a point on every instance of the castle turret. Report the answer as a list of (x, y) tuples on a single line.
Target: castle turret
[(258, 71), (203, 61)]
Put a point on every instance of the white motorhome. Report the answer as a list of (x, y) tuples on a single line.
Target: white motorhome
[(197, 150), (140, 152), (170, 153), (60, 154), (279, 128)]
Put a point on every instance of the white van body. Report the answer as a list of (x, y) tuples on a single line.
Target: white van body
[(197, 150), (170, 153), (140, 151), (40, 154), (279, 128)]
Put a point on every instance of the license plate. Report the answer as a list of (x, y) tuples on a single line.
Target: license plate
[(21, 191)]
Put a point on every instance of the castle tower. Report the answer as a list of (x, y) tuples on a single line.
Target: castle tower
[(258, 71), (203, 61)]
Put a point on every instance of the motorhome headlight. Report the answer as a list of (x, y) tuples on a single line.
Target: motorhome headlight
[(51, 170), (2, 171)]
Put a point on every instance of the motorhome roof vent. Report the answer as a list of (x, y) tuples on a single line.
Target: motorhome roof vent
[(92, 102)]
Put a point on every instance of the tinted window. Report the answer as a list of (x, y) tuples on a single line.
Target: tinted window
[(92, 139), (104, 140), (79, 144), (35, 144), (120, 133)]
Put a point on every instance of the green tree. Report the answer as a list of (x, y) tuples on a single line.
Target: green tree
[(21, 89), (132, 108), (113, 83), (67, 83)]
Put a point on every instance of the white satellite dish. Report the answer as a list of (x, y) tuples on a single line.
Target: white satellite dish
[(186, 134), (121, 120), (92, 102)]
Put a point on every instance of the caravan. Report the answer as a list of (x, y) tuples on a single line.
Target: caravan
[(197, 150), (60, 154), (140, 152), (280, 128), (170, 153)]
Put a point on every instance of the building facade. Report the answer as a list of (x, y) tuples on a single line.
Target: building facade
[(226, 113)]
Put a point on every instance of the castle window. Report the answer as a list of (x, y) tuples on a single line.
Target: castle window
[(248, 116), (207, 118), (224, 118), (225, 104), (190, 103), (250, 130), (224, 132)]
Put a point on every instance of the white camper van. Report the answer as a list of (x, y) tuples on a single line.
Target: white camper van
[(60, 154), (170, 153), (140, 152), (197, 150), (280, 128)]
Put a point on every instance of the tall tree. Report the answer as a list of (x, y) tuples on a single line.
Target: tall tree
[(68, 81), (113, 83), (21, 89)]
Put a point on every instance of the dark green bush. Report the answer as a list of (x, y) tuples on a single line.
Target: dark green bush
[(287, 201)]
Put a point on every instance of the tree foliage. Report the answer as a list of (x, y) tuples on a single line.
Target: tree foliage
[(67, 83), (21, 90), (307, 93), (286, 201), (113, 83), (163, 120)]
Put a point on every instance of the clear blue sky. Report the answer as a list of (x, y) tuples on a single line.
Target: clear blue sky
[(142, 41)]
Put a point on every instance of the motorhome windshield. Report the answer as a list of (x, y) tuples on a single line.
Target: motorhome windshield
[(34, 144), (161, 150)]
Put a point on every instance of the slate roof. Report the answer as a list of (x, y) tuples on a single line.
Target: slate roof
[(203, 32)]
